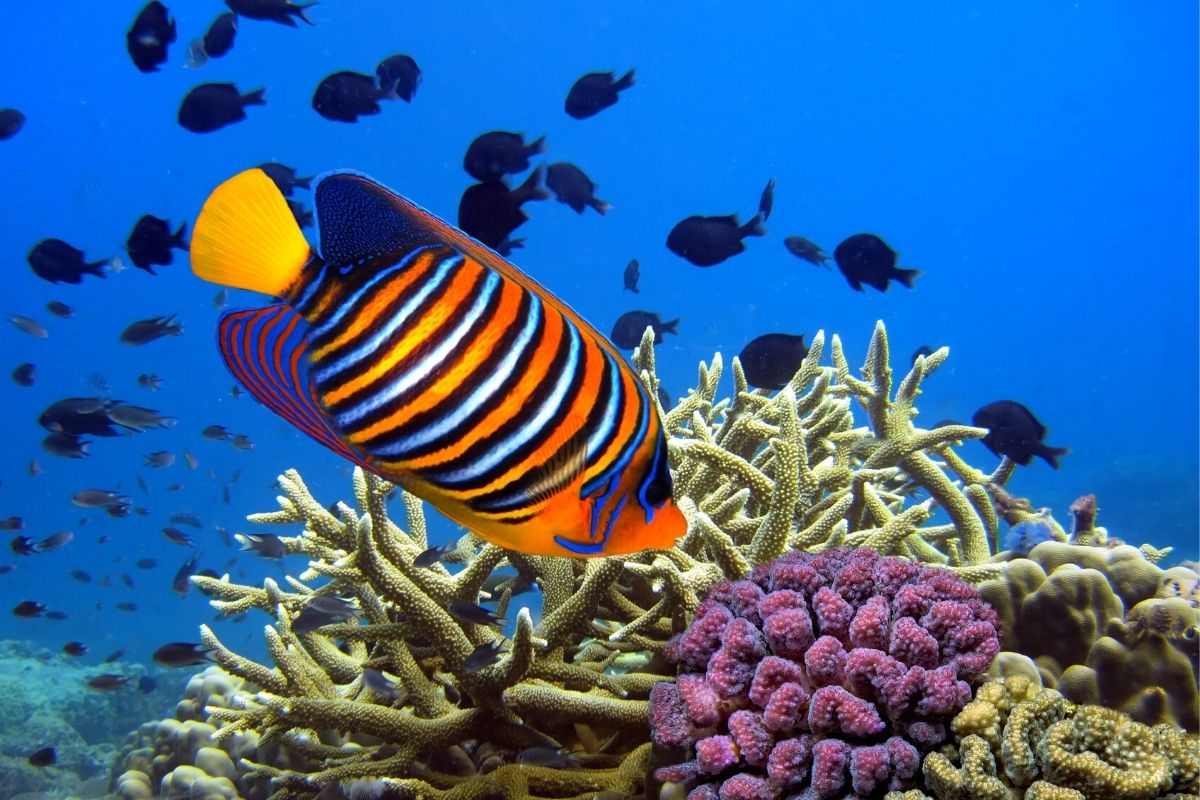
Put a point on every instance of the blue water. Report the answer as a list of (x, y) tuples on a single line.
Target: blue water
[(1037, 161)]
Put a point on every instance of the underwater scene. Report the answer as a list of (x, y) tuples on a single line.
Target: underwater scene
[(581, 401)]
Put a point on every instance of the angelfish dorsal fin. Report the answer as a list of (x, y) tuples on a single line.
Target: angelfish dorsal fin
[(359, 220)]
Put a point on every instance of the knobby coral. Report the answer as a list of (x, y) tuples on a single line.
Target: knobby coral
[(830, 670)]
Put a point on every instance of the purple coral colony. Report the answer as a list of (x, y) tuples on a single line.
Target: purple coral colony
[(821, 673)]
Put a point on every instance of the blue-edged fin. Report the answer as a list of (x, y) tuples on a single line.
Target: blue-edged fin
[(247, 238), (265, 350), (359, 220)]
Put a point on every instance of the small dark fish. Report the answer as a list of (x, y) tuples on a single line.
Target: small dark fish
[(81, 576), (145, 563), (766, 201), (628, 329), (181, 584), (98, 498), (285, 178), (78, 416), (150, 381), (211, 106), (217, 433), (56, 615), (345, 96), (181, 654), (66, 445), (55, 541), (187, 518), (114, 656), (803, 248), (473, 614), (138, 418), (25, 374), (382, 686), (159, 459), (595, 92), (399, 75), (707, 241), (11, 122), (865, 258), (146, 684), (121, 510), (6, 568), (631, 275), (324, 610), (58, 262), (267, 545), (218, 39), (145, 331), (148, 37), (303, 214), (174, 487), (235, 391), (769, 361), (60, 309), (30, 326), (241, 441), (483, 656), (12, 524), (75, 649), (190, 460), (220, 300), (490, 211), (573, 187), (28, 609), (176, 536), (495, 154), (130, 607), (432, 555), (281, 11), (46, 756), (107, 682), (551, 757), (23, 546), (151, 241), (1015, 432), (923, 350)]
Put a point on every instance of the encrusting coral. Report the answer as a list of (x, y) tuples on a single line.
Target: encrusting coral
[(396, 689), (1019, 740)]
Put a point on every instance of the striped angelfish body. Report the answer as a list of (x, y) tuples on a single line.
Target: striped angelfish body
[(416, 352)]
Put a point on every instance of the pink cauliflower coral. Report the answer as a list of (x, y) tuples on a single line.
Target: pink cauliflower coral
[(821, 674)]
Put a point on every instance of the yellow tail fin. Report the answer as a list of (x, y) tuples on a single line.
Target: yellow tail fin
[(247, 238)]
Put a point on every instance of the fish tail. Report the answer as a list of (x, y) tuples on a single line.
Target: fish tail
[(97, 268), (538, 145), (602, 206), (247, 238), (908, 277), (1051, 454), (255, 98), (671, 327), (178, 239), (753, 228), (300, 9), (625, 81), (531, 189)]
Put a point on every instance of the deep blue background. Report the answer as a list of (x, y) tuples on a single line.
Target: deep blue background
[(1037, 160)]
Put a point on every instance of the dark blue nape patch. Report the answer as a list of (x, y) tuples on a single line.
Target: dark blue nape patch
[(357, 220)]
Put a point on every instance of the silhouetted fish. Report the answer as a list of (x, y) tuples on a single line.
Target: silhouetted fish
[(629, 327), (24, 375), (495, 154), (284, 177), (148, 37), (769, 361), (766, 202), (631, 275), (399, 75), (707, 241), (218, 40), (324, 610), (11, 122), (60, 309), (145, 331), (151, 242), (281, 11), (865, 258), (212, 106), (31, 326), (1015, 432), (181, 654), (345, 96), (58, 262), (595, 92), (803, 248), (491, 211), (573, 187)]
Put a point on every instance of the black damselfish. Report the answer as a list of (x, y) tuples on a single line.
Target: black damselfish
[(595, 92), (1015, 432), (865, 258), (148, 37), (211, 106)]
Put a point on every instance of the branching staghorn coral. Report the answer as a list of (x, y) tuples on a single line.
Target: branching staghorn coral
[(757, 475)]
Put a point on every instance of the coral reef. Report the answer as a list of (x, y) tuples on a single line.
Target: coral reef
[(1105, 625), (1017, 739), (830, 671)]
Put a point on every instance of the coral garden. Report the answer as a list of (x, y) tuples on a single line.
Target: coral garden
[(819, 632)]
